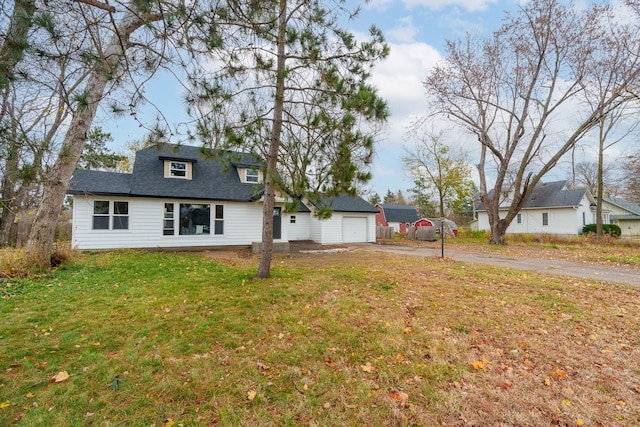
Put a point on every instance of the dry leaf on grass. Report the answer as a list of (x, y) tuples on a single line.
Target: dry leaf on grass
[(251, 394), (399, 396), (368, 367), (60, 377)]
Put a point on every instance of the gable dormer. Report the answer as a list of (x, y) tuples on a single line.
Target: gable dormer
[(179, 168), (250, 174)]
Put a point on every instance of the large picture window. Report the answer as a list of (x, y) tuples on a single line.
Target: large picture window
[(106, 213), (195, 219)]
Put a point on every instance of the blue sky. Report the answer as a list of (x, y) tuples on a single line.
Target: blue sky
[(416, 31)]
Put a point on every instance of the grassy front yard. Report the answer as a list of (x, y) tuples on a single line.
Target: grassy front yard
[(353, 338)]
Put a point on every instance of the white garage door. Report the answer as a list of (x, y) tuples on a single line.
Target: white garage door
[(354, 230)]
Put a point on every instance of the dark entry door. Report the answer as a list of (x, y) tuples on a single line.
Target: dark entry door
[(277, 223)]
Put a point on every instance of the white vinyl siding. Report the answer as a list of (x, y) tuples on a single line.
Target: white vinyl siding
[(330, 231), (562, 221), (298, 230), (242, 226)]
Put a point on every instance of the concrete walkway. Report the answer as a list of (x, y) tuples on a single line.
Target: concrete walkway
[(557, 267)]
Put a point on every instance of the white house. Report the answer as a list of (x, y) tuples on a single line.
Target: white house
[(626, 215), (183, 196), (552, 207)]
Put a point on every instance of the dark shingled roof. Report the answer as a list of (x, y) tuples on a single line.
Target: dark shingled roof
[(100, 183), (214, 176), (399, 213), (550, 195), (345, 203)]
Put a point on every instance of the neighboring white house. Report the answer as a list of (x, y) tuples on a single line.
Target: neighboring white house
[(626, 215), (182, 196), (553, 207)]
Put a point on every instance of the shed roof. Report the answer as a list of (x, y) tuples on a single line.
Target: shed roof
[(346, 203), (399, 213)]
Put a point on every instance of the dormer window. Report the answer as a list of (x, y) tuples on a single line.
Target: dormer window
[(178, 169), (252, 175)]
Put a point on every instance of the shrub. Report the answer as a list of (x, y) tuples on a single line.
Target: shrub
[(610, 229)]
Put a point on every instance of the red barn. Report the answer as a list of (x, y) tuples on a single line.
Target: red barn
[(396, 216)]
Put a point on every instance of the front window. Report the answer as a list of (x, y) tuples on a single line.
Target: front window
[(219, 220), (519, 220), (292, 220), (120, 215), (195, 219), (101, 215), (103, 210), (545, 218), (252, 175), (168, 228)]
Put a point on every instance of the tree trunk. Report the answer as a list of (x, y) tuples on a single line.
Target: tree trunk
[(264, 269), (56, 183), (9, 206), (498, 233), (599, 196)]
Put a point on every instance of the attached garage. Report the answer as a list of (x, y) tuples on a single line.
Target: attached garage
[(354, 229)]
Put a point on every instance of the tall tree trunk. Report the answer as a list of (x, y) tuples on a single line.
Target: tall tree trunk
[(264, 269), (56, 183), (599, 228), (8, 193)]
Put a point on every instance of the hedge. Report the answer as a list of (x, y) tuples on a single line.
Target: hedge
[(611, 229)]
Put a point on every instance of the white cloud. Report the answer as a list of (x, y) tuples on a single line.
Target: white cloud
[(469, 5), (399, 77), (404, 32)]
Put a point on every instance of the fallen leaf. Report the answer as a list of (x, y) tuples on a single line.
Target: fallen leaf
[(399, 358), (5, 404), (251, 394), (579, 422), (60, 376), (29, 395), (330, 363), (567, 402), (368, 367), (479, 365), (262, 366), (399, 396)]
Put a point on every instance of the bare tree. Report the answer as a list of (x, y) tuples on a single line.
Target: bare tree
[(512, 92), (631, 167), (103, 36), (438, 169)]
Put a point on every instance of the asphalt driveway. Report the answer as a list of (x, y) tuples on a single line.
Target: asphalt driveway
[(560, 268)]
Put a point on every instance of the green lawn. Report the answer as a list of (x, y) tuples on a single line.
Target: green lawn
[(344, 339)]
